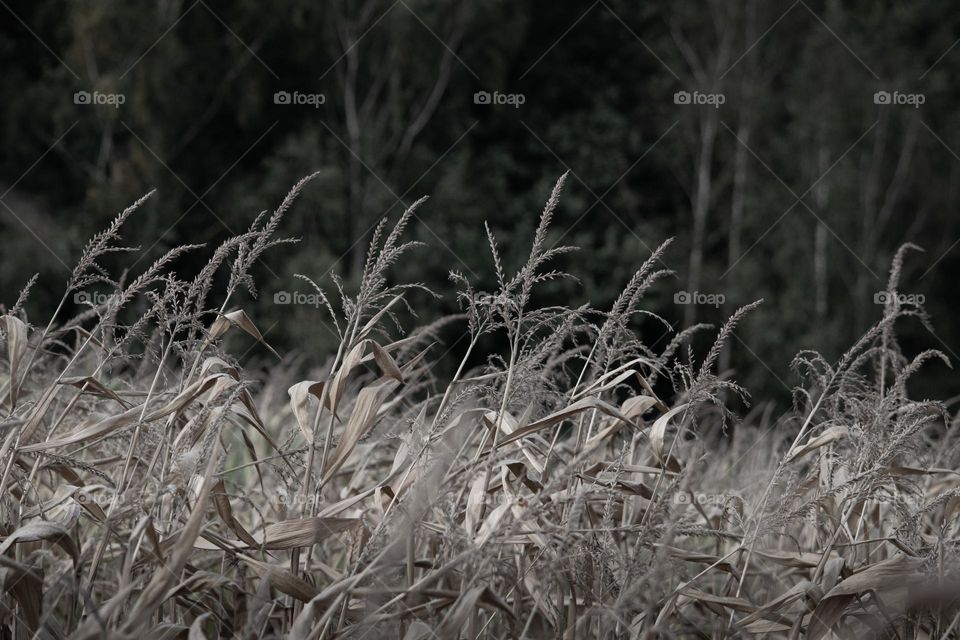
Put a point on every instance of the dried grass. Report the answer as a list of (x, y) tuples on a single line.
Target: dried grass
[(549, 493)]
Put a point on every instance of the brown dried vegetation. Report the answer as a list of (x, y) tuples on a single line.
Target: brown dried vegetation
[(150, 488)]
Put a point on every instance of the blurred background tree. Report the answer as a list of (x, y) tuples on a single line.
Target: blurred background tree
[(797, 188)]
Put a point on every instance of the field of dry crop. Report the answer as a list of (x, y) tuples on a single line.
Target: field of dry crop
[(579, 484)]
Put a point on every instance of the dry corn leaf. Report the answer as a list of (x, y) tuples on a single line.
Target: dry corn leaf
[(365, 411), (606, 383), (198, 582), (700, 558), (766, 626), (475, 504), (26, 587), (17, 339), (134, 541), (577, 407), (291, 534), (339, 381), (196, 629), (796, 559), (386, 362), (154, 593), (39, 411), (669, 606), (89, 384), (299, 403), (901, 470), (508, 425), (46, 531), (897, 572), (282, 580), (239, 319), (354, 358), (375, 319), (783, 601), (491, 524), (222, 502), (658, 431), (829, 435), (615, 466), (456, 619), (635, 407), (831, 575), (92, 627), (729, 602), (107, 426)]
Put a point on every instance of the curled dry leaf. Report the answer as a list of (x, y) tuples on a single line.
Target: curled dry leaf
[(634, 408), (89, 384), (196, 629), (491, 524), (659, 430), (299, 403), (357, 355), (17, 339), (831, 434), (240, 319)]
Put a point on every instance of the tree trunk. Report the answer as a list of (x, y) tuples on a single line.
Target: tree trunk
[(820, 239), (701, 206)]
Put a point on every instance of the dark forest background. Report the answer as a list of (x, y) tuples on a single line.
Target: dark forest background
[(798, 188)]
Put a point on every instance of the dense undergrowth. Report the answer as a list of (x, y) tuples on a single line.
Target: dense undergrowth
[(150, 488)]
